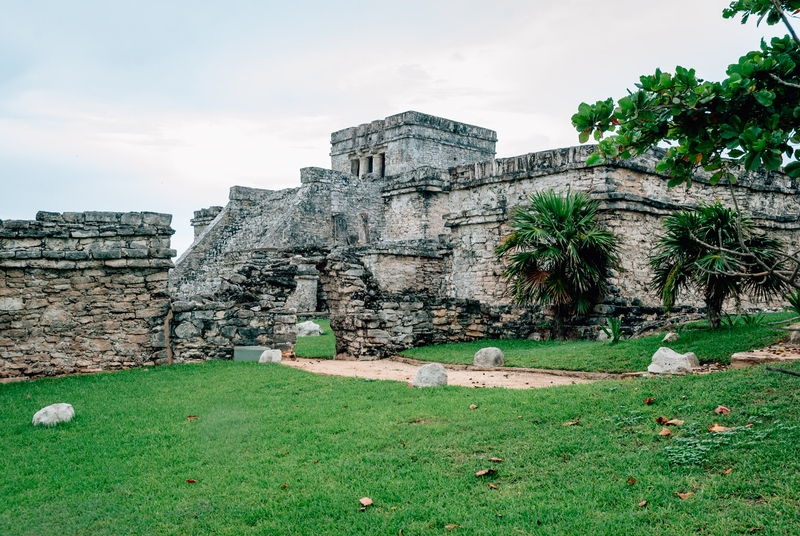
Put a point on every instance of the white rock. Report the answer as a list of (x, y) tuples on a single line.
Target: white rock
[(270, 356), (794, 334), (671, 337), (430, 375), (489, 357), (54, 414), (602, 336), (667, 361), (309, 329)]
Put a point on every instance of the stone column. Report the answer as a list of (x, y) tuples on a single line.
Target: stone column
[(377, 165), (364, 165)]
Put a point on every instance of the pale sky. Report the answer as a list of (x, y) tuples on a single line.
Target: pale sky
[(164, 105)]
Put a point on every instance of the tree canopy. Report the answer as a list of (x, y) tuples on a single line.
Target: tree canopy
[(559, 255), (750, 119), (689, 255)]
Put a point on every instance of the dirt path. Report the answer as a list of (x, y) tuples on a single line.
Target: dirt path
[(404, 370)]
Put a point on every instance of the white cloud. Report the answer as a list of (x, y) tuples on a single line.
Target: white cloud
[(153, 106)]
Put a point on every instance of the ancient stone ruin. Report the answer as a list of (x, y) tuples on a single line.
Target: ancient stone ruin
[(396, 242)]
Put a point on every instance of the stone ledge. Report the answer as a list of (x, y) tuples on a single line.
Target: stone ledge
[(788, 354)]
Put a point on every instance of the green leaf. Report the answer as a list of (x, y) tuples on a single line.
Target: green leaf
[(595, 159), (792, 169), (583, 137), (765, 97)]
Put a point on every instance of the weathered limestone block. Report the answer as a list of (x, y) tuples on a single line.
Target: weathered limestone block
[(794, 333), (270, 356), (667, 361), (430, 375), (489, 357), (54, 414), (309, 329), (671, 337)]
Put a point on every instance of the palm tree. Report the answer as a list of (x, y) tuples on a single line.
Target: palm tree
[(558, 255), (701, 249)]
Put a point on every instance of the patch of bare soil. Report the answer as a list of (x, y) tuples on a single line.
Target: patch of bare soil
[(404, 370)]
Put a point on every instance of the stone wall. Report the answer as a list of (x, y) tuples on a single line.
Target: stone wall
[(375, 316), (83, 292), (407, 141), (405, 254), (248, 308)]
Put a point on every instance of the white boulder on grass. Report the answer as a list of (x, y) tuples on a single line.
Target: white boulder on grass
[(54, 414), (667, 361), (430, 375), (671, 337), (270, 356), (489, 357), (309, 329)]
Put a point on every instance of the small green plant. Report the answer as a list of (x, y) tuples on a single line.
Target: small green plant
[(753, 320), (613, 329), (794, 300), (730, 321)]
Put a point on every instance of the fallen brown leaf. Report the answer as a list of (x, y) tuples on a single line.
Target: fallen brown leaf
[(572, 423), (496, 460), (748, 425), (473, 406), (191, 481), (662, 420), (665, 432), (492, 486), (191, 417), (631, 481), (284, 485), (484, 472), (684, 495), (722, 410), (729, 471), (452, 526), (643, 503), (365, 501), (675, 422), (755, 529), (715, 428), (649, 400)]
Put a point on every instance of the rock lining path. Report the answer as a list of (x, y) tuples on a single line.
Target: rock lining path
[(404, 369)]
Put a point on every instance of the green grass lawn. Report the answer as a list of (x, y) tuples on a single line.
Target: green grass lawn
[(275, 450), (625, 356), (323, 346)]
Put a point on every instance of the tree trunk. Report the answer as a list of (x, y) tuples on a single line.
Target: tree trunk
[(559, 322), (714, 300)]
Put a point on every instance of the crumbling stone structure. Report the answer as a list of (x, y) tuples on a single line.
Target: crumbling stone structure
[(397, 240), (83, 292)]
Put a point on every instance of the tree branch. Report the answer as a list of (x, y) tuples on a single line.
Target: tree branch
[(774, 369), (785, 20), (783, 82)]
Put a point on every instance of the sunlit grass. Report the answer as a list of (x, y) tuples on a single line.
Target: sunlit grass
[(625, 356), (275, 450), (323, 346)]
